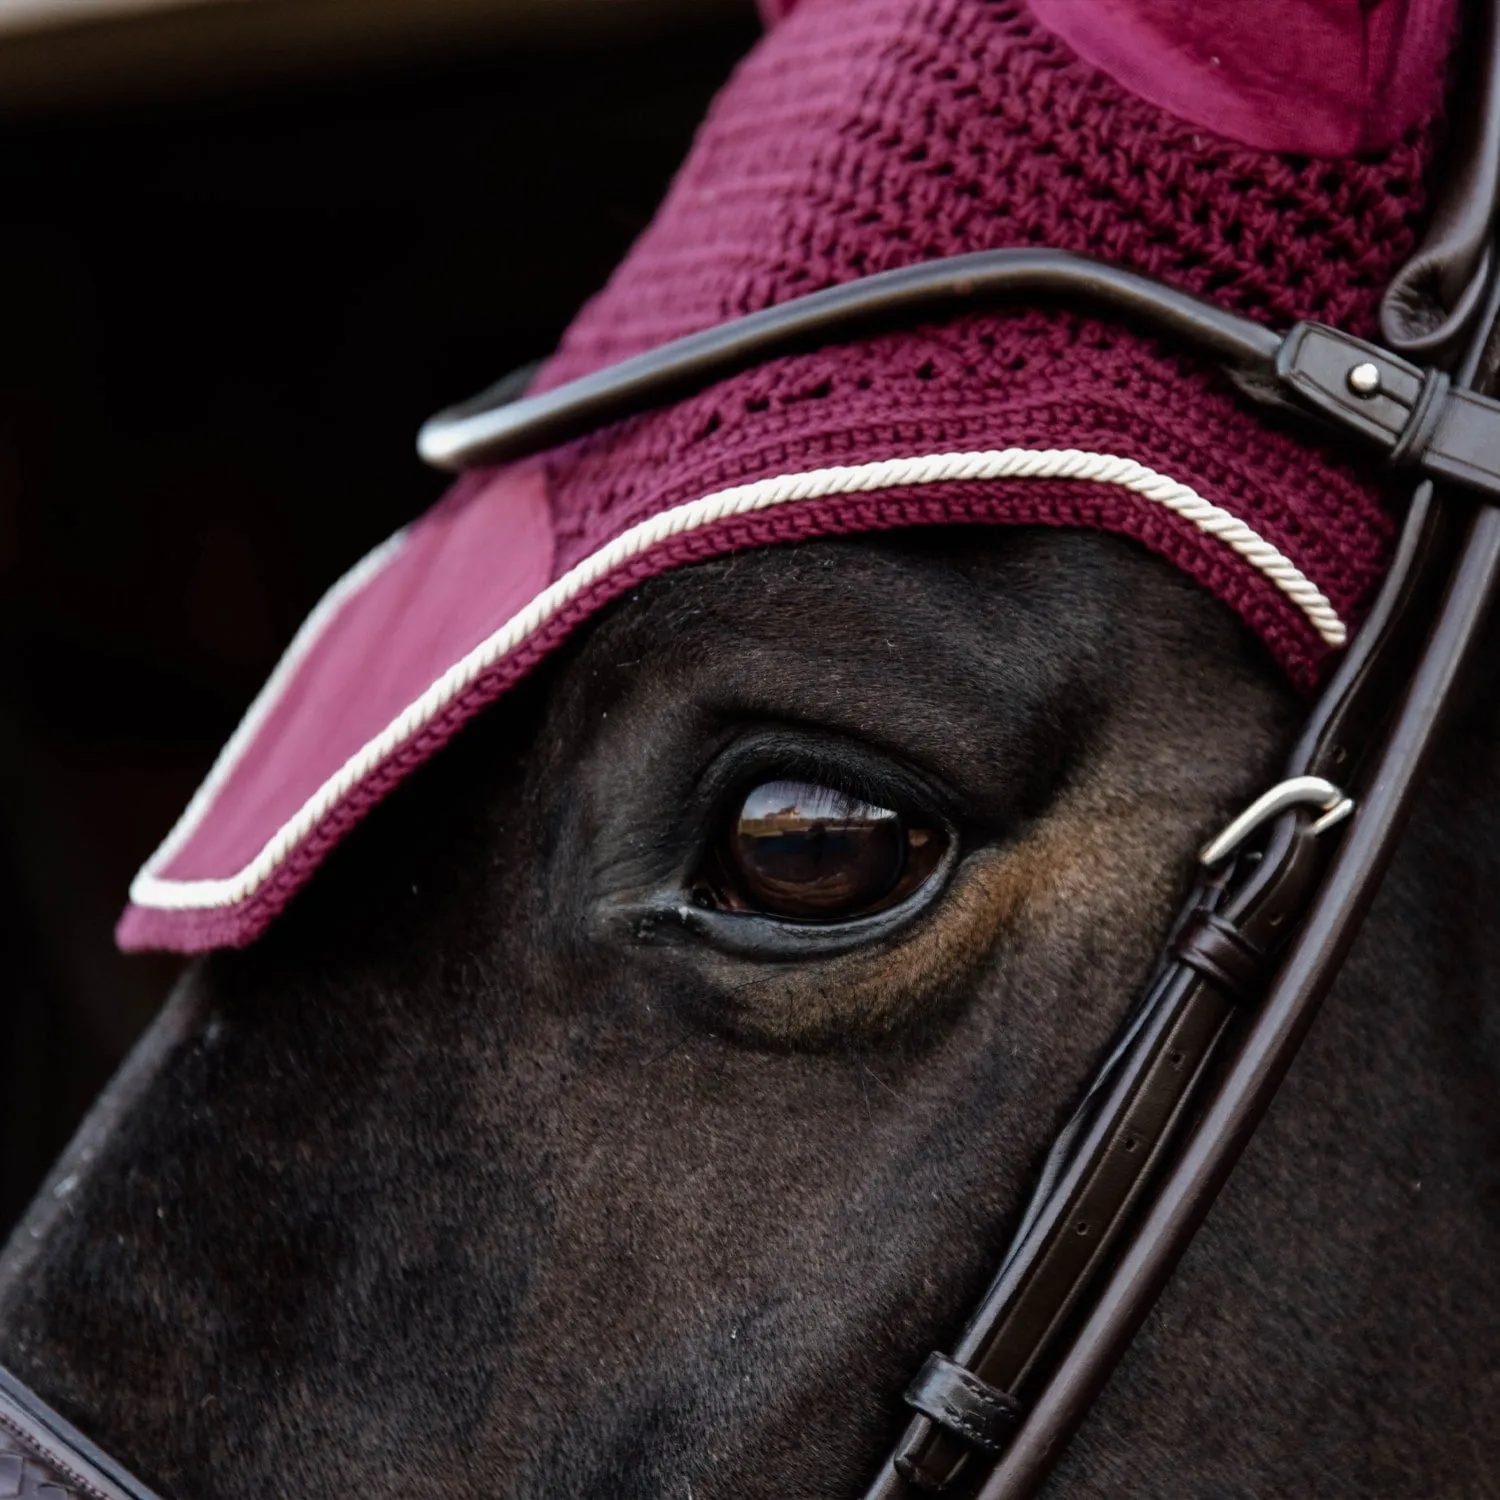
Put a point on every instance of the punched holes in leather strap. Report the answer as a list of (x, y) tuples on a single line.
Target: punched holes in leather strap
[(960, 1402), (1219, 951)]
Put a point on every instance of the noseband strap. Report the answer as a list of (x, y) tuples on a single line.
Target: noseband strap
[(44, 1457)]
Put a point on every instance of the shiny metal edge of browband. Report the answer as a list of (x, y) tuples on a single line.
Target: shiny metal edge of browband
[(1414, 415)]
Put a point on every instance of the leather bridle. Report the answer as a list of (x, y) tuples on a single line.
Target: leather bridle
[(1282, 893)]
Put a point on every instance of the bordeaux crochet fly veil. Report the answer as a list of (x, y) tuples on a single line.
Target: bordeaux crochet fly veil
[(863, 137)]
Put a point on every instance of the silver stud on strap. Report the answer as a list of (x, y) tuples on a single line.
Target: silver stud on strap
[(1364, 379)]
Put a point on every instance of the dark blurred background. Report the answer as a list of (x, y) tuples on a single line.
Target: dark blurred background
[(244, 249)]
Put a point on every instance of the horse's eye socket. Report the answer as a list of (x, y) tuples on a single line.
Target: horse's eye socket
[(796, 849)]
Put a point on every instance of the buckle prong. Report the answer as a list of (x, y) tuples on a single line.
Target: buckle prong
[(1296, 791)]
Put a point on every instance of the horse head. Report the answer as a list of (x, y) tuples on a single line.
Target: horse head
[(634, 1098)]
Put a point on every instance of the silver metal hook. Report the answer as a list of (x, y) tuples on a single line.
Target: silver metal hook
[(1296, 791)]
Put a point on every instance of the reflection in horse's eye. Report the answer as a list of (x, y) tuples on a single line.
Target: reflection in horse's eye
[(796, 849)]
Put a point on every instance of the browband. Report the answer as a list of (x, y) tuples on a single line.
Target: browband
[(1417, 417)]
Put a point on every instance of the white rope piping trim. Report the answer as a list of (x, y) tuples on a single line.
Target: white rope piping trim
[(151, 890)]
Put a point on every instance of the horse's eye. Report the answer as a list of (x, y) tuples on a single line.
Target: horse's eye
[(799, 850)]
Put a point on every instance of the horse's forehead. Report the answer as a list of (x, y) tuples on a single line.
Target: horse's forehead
[(940, 127)]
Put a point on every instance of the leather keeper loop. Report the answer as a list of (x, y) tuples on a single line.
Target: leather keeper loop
[(1219, 951), (1426, 413), (961, 1403)]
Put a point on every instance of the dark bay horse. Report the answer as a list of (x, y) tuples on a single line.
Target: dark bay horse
[(569, 1135), (455, 1184)]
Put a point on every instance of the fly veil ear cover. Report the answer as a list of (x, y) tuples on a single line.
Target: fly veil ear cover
[(863, 135)]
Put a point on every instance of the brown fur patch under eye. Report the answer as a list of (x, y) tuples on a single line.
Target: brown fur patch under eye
[(1089, 875)]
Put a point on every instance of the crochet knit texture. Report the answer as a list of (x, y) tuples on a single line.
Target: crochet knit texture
[(860, 136), (868, 134)]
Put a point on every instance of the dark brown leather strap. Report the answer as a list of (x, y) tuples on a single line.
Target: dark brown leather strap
[(1220, 951), (43, 1457), (1129, 1123), (1411, 412), (1118, 1140), (1265, 1052), (963, 1403), (1144, 1203), (495, 426), (1421, 420)]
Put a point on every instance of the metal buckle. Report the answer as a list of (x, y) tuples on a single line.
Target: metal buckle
[(1296, 791)]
